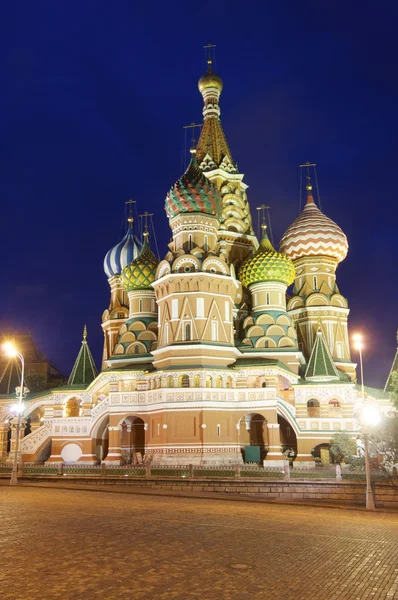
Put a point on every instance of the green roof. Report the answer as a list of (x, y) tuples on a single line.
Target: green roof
[(261, 362), (321, 366), (373, 392), (84, 370)]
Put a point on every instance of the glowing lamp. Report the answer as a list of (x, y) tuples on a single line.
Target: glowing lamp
[(9, 349), (370, 414), (358, 341)]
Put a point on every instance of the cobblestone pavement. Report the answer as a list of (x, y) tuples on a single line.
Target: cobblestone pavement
[(74, 544)]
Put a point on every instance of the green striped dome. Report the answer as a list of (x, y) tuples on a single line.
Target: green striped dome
[(193, 192), (266, 265), (141, 272)]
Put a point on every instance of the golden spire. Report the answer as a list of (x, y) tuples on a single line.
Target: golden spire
[(212, 140), (84, 333)]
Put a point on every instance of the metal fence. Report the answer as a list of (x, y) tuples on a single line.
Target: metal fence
[(189, 471)]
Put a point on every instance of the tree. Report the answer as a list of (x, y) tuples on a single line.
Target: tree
[(386, 440), (342, 447), (394, 388), (38, 383)]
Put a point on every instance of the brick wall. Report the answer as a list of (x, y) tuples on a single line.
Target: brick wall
[(352, 493)]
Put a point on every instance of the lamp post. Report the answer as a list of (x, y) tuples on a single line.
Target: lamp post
[(12, 352), (369, 416)]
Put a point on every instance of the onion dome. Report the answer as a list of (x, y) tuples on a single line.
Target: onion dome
[(266, 264), (210, 80), (141, 272), (314, 234), (122, 254), (193, 192)]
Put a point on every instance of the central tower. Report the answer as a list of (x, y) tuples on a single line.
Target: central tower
[(235, 233), (194, 287)]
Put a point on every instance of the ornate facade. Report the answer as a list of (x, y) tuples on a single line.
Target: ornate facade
[(205, 357)]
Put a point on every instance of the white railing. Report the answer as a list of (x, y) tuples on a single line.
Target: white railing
[(326, 424), (193, 394), (31, 442)]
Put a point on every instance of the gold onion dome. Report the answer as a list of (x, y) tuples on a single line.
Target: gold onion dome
[(193, 192), (266, 264), (210, 80), (141, 272), (314, 234)]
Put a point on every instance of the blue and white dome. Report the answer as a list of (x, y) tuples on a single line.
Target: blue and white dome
[(122, 254)]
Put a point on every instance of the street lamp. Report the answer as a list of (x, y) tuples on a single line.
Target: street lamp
[(369, 416), (10, 351)]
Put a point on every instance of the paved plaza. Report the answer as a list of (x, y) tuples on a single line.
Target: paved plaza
[(74, 544)]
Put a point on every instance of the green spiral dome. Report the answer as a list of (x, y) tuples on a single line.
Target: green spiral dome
[(193, 192), (266, 264), (141, 272)]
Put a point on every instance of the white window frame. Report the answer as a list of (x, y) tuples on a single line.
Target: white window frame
[(200, 307), (214, 331), (174, 308)]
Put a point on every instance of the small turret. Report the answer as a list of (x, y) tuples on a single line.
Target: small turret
[(84, 370)]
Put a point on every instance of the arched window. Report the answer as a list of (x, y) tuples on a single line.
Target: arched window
[(206, 244), (313, 408), (208, 381), (140, 304), (187, 331), (72, 408), (267, 298), (170, 381), (184, 381), (229, 382), (219, 381), (196, 381), (315, 283), (190, 242)]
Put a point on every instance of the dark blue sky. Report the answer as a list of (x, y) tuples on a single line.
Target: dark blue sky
[(93, 99)]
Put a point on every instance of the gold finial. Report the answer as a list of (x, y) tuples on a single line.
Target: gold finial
[(307, 166), (193, 141), (209, 53), (263, 208), (145, 216), (84, 333), (130, 219)]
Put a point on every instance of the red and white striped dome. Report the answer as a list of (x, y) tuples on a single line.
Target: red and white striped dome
[(314, 234)]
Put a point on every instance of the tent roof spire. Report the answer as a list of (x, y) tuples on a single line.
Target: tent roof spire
[(84, 370)]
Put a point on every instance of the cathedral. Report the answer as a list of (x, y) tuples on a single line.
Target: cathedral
[(206, 359)]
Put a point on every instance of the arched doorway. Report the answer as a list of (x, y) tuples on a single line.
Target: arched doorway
[(9, 435), (132, 440), (252, 431), (288, 438), (101, 438), (321, 454)]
